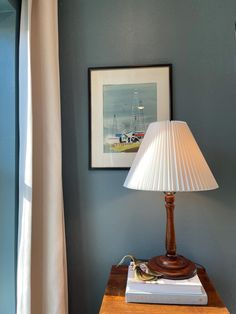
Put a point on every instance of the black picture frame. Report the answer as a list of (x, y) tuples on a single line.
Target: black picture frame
[(109, 81)]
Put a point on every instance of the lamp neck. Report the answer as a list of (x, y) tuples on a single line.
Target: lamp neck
[(170, 228)]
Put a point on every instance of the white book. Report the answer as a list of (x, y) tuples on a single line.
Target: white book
[(187, 291)]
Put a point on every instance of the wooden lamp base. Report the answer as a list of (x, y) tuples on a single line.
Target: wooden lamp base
[(171, 265)]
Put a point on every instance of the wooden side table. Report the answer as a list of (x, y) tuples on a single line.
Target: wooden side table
[(114, 298)]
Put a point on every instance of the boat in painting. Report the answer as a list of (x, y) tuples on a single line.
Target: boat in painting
[(127, 141)]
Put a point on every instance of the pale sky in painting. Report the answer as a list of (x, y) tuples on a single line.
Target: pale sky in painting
[(119, 99)]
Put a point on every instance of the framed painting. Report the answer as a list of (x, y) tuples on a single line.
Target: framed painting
[(123, 101)]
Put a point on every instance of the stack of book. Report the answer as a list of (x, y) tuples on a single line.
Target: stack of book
[(165, 291)]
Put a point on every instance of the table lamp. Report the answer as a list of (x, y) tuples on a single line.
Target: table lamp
[(169, 160)]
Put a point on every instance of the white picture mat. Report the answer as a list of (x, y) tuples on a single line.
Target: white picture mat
[(158, 75)]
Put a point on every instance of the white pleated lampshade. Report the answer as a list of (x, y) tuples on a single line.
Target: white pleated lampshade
[(170, 160)]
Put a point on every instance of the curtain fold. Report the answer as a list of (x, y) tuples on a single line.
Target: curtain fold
[(42, 272)]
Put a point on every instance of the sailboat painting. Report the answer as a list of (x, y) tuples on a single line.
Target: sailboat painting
[(128, 109)]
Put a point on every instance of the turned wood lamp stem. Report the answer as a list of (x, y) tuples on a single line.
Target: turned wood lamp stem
[(170, 227), (171, 265)]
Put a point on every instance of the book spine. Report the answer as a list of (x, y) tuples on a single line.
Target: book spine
[(166, 299), (155, 288)]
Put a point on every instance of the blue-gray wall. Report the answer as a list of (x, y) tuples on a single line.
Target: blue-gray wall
[(7, 163), (105, 221), (8, 156)]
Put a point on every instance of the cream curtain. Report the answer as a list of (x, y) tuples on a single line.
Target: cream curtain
[(41, 271)]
